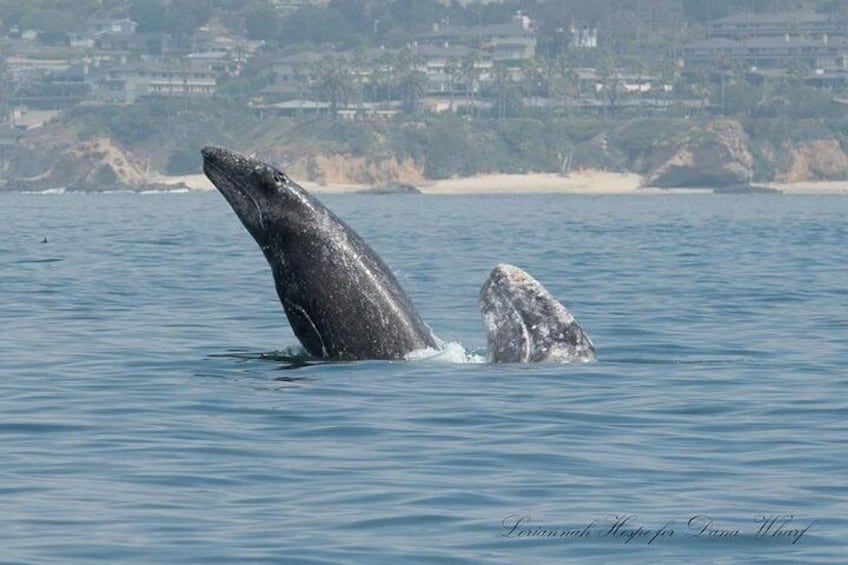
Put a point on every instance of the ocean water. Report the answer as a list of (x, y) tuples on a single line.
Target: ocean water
[(154, 407)]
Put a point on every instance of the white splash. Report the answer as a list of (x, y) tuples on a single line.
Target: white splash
[(447, 352)]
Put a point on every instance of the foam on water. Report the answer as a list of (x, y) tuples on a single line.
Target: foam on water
[(448, 352)]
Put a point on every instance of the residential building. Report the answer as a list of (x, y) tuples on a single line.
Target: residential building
[(770, 41), (443, 66), (23, 69), (292, 78), (125, 83), (766, 52), (812, 25), (514, 41)]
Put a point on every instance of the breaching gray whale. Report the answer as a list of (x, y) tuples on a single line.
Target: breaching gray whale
[(524, 323), (341, 300)]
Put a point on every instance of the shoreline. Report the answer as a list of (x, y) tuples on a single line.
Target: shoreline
[(580, 182)]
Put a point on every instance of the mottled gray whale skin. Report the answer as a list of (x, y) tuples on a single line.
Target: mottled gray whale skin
[(341, 300), (524, 323)]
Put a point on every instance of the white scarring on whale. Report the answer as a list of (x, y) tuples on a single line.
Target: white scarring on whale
[(524, 323)]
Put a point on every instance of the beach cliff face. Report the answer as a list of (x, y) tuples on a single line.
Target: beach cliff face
[(716, 156), (92, 165), (816, 159), (326, 169), (666, 153)]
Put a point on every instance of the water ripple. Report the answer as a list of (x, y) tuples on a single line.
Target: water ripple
[(150, 413)]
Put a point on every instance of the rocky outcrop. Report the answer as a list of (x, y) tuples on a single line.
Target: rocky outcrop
[(817, 159), (90, 166), (714, 156), (664, 152)]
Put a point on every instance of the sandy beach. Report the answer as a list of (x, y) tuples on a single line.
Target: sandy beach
[(583, 182), (813, 187), (579, 182)]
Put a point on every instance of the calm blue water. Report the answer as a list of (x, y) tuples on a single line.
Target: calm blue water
[(149, 412)]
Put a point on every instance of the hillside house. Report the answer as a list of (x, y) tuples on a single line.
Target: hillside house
[(514, 41), (125, 83)]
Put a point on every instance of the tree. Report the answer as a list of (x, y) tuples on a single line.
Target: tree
[(453, 74), (6, 87), (666, 69), (262, 22), (564, 80), (470, 72), (149, 15), (315, 24), (360, 75), (610, 89), (701, 89), (412, 82), (741, 97), (506, 92), (412, 14), (412, 87), (183, 17), (53, 24), (333, 82), (383, 76), (536, 73)]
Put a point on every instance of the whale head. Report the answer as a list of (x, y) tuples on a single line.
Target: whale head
[(524, 323), (263, 197)]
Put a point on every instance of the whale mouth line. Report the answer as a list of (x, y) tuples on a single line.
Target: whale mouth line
[(258, 208), (236, 187)]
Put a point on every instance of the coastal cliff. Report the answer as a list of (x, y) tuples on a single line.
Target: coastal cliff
[(327, 169), (666, 153), (815, 159), (712, 156), (93, 165)]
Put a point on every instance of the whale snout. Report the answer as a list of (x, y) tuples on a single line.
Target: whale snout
[(220, 156), (212, 151)]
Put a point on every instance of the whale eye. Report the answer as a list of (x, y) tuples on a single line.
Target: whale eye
[(272, 180)]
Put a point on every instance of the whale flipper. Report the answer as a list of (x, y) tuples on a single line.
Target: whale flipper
[(524, 323)]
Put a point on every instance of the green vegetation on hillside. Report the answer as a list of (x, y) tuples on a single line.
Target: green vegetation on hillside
[(443, 145), (561, 107)]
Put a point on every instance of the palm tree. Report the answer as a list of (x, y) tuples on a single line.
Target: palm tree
[(334, 82), (666, 69), (360, 76), (302, 74), (411, 80), (610, 81), (384, 76), (470, 72), (453, 72), (565, 82), (536, 76), (412, 86), (506, 92), (701, 89), (6, 88)]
